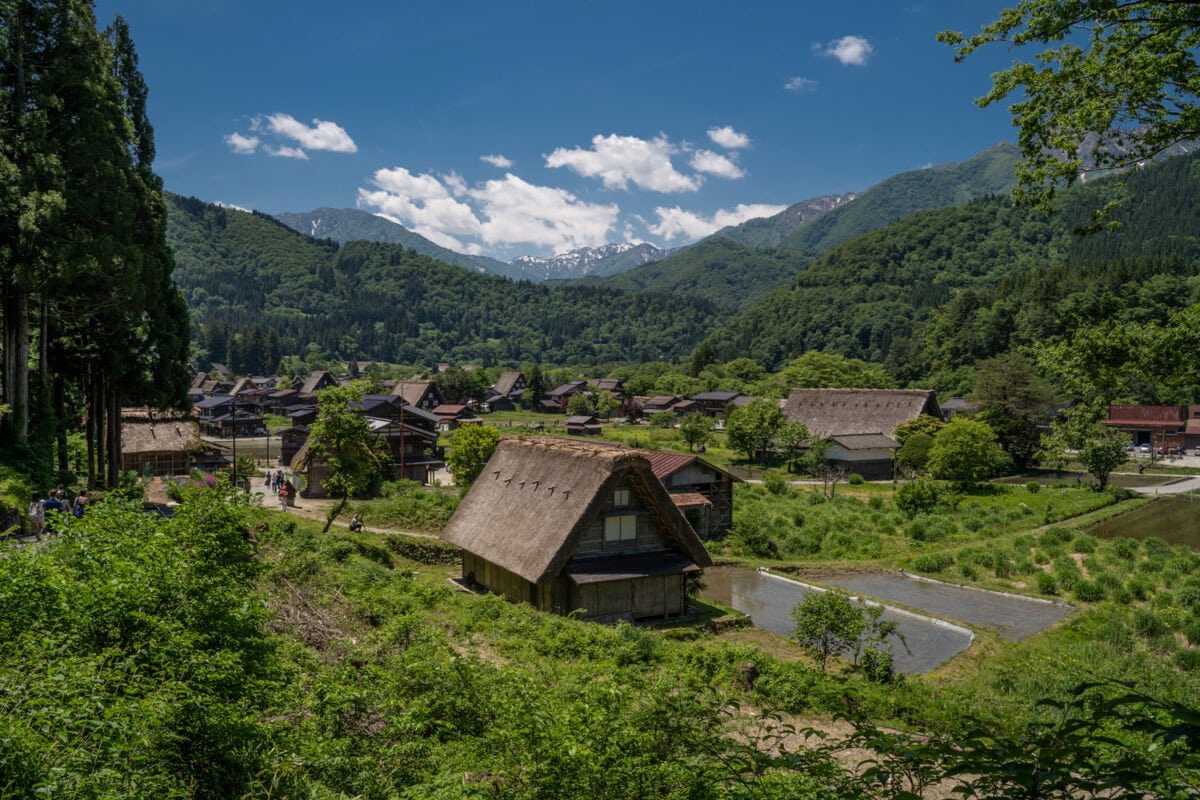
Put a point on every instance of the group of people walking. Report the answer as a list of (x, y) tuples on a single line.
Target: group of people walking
[(42, 513), (281, 486)]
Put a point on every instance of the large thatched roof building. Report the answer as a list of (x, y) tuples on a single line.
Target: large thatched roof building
[(833, 412), (568, 526)]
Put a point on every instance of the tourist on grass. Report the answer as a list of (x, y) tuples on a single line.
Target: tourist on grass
[(37, 515)]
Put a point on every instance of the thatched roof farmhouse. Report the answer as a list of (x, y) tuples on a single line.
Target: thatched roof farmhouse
[(568, 526)]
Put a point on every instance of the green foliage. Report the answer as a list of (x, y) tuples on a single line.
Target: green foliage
[(775, 483), (663, 419), (1119, 92), (1033, 487), (933, 562), (383, 302), (150, 629), (855, 479), (696, 429), (914, 453), (966, 453), (407, 505), (470, 448), (580, 405), (917, 497), (1103, 451), (752, 427), (920, 425), (829, 624), (340, 439)]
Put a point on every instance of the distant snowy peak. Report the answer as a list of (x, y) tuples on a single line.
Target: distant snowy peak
[(609, 259)]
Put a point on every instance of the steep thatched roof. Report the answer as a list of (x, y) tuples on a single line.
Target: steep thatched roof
[(318, 380), (504, 384), (143, 432), (411, 391), (829, 412), (536, 496)]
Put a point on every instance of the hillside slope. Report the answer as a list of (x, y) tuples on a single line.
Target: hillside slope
[(353, 225), (385, 302), (867, 297)]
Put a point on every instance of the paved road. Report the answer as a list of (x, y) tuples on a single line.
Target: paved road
[(1179, 487)]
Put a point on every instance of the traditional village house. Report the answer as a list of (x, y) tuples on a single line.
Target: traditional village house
[(562, 394), (505, 393), (871, 455), (418, 393), (569, 527), (956, 407), (655, 405), (153, 444), (280, 400), (703, 491), (1157, 426), (454, 415), (583, 426), (1191, 430), (614, 385), (315, 382), (844, 413), (716, 404)]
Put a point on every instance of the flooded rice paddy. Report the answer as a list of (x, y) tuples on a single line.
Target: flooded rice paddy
[(769, 600), (1175, 520)]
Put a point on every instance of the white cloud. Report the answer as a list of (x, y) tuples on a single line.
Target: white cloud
[(287, 152), (323, 135), (520, 212), (675, 222), (715, 164), (498, 213), (728, 137), (242, 145), (455, 183), (420, 202), (497, 161), (231, 205), (799, 84), (619, 160), (850, 50)]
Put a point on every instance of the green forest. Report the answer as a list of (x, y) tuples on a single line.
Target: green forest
[(241, 271)]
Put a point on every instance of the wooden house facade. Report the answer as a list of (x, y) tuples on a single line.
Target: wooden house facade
[(157, 445), (570, 527)]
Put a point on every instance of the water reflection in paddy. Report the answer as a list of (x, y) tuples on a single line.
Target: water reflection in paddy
[(1175, 520), (1013, 617), (769, 600)]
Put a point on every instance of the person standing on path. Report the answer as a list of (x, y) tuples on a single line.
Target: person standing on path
[(283, 498), (37, 515)]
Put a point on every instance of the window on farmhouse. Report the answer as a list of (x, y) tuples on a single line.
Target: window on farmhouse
[(621, 498), (619, 529)]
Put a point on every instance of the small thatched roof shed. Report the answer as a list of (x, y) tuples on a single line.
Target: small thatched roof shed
[(543, 511), (162, 442), (831, 412)]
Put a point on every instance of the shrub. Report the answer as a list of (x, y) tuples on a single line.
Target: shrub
[(1192, 630), (933, 562), (1046, 584), (1148, 624), (1033, 487), (1084, 543), (1125, 548), (1157, 549), (1056, 535), (1139, 587), (855, 479), (917, 497), (1188, 660), (750, 538), (1088, 591), (775, 483), (875, 502)]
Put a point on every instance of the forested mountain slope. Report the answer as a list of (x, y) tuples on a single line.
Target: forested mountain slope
[(727, 268), (384, 302), (967, 268), (721, 271), (354, 225)]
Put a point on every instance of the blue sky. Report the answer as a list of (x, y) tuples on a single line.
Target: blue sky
[(605, 120)]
